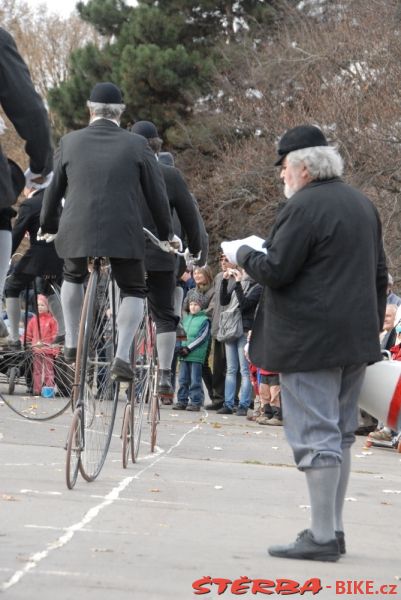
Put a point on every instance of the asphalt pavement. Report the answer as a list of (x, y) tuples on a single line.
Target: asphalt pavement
[(203, 508)]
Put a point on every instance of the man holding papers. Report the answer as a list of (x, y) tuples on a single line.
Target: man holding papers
[(318, 322)]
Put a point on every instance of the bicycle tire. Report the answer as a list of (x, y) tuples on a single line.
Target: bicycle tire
[(126, 434), (74, 449), (143, 367), (98, 393), (16, 385), (154, 412), (17, 391)]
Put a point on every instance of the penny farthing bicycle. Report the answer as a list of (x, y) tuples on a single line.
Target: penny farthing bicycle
[(95, 393)]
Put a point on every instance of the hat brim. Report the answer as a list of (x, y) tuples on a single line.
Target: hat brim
[(280, 159)]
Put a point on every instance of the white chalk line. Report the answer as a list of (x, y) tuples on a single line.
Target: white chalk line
[(90, 515)]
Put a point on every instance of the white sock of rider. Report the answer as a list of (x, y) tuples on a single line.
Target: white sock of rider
[(178, 300), (322, 484), (72, 296), (129, 317), (342, 488), (57, 312), (5, 253), (13, 307), (165, 344)]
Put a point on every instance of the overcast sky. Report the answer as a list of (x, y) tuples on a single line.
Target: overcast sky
[(63, 7)]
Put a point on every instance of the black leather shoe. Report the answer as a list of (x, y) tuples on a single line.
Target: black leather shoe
[(306, 548), (121, 370), (164, 387), (224, 410), (179, 406), (341, 541), (214, 405), (70, 354), (193, 407)]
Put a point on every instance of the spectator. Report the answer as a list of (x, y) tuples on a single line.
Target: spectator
[(192, 355), (392, 298), (247, 293), (218, 352), (41, 333)]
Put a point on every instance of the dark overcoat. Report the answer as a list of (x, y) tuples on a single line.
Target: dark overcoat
[(41, 258), (325, 281), (104, 172), (26, 111), (186, 215)]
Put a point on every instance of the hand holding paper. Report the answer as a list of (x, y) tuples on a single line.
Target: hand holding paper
[(230, 249)]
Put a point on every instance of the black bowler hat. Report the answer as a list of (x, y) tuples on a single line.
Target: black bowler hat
[(106, 93), (17, 177), (166, 158), (145, 128), (303, 136)]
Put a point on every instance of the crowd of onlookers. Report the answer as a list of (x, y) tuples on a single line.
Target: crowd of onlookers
[(212, 350), (215, 353)]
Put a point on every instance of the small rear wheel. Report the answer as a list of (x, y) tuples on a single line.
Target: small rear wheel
[(12, 378), (154, 420), (74, 449), (127, 434)]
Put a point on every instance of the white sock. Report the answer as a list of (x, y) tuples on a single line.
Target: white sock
[(165, 343), (13, 307), (5, 254), (322, 484), (129, 317), (57, 312), (72, 296), (342, 488)]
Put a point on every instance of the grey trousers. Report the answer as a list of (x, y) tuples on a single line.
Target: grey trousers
[(320, 413)]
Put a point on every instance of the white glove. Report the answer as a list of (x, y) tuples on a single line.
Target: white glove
[(176, 243), (30, 180), (45, 237), (230, 250), (190, 259)]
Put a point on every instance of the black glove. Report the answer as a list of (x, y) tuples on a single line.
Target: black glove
[(184, 351)]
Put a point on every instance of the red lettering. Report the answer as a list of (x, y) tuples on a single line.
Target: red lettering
[(369, 587), (340, 587), (261, 586), (222, 585), (199, 584), (287, 587), (240, 586), (313, 585), (358, 587)]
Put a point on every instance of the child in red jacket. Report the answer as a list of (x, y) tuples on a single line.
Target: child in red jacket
[(41, 333)]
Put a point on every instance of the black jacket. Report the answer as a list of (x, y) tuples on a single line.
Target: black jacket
[(104, 172), (41, 258), (26, 111), (185, 214), (325, 281)]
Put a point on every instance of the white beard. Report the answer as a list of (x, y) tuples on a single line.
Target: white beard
[(288, 192)]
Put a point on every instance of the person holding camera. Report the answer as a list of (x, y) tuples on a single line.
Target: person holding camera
[(241, 302)]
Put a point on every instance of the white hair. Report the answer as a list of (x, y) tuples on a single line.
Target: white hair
[(322, 162), (106, 111)]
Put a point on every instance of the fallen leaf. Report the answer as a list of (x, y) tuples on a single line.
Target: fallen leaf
[(216, 425), (8, 498), (154, 490)]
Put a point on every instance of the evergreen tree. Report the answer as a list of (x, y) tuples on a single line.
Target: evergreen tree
[(162, 53)]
